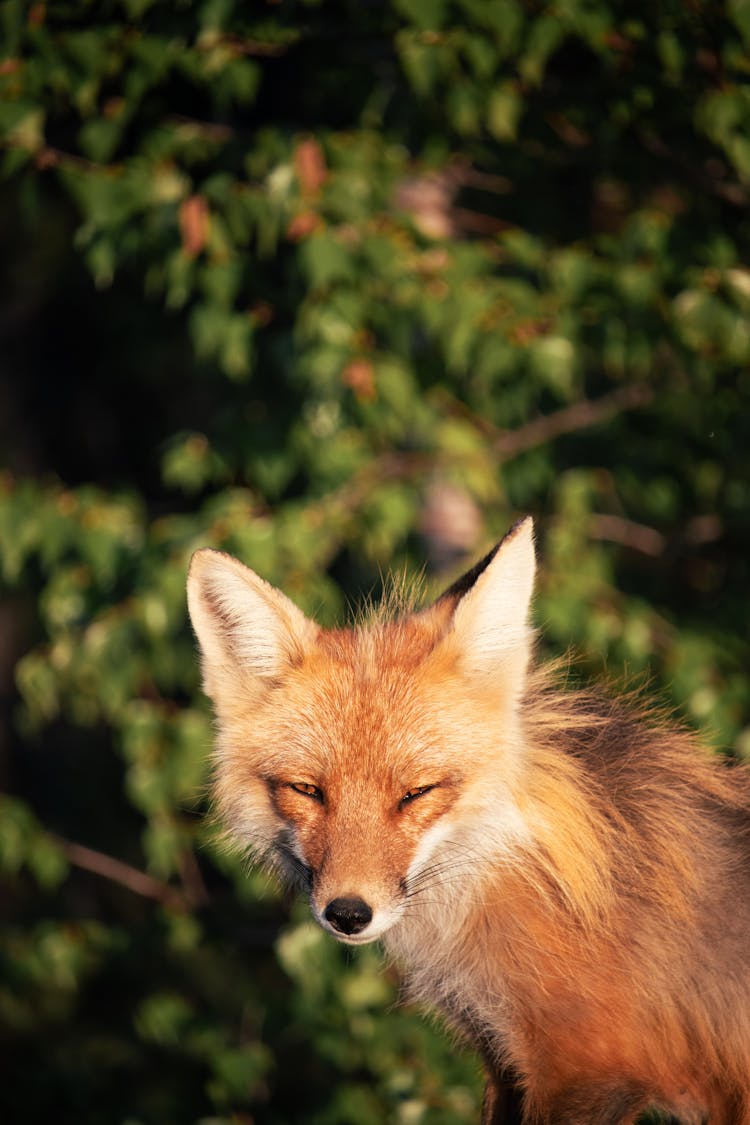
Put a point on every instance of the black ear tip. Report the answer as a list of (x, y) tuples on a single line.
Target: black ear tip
[(463, 584), (524, 523), (524, 526)]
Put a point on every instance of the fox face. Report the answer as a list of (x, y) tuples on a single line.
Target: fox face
[(342, 757)]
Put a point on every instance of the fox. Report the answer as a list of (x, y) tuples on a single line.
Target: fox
[(562, 872)]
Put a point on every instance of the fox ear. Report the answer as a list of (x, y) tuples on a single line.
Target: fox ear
[(490, 622), (243, 624)]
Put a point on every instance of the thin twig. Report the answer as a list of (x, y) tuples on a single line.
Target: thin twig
[(118, 872), (728, 190), (193, 886), (637, 536)]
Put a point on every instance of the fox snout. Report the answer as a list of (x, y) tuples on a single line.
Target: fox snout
[(348, 915), (353, 919)]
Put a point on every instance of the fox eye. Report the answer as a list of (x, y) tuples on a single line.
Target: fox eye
[(307, 790), (412, 794)]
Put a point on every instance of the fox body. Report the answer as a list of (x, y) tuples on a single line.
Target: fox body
[(565, 876)]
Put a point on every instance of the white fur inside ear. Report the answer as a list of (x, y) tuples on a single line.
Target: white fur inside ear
[(242, 622), (491, 621)]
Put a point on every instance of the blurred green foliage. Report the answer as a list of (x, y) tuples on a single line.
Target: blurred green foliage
[(364, 282)]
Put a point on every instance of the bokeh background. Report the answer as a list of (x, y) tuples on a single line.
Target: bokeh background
[(342, 288)]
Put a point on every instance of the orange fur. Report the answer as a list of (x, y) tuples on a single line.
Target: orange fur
[(566, 876)]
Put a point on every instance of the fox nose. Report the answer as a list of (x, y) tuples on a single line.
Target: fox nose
[(348, 915)]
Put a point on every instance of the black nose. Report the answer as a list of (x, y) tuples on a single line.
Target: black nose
[(348, 915)]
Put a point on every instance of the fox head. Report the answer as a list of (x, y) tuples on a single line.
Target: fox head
[(368, 764)]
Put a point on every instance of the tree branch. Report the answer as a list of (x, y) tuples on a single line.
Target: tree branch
[(137, 881), (637, 536), (579, 416), (400, 465)]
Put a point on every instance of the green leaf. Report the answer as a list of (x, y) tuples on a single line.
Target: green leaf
[(429, 15), (326, 260), (99, 138), (504, 109)]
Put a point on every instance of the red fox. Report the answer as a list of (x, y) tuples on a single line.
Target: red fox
[(565, 875)]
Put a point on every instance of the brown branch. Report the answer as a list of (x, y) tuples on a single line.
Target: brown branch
[(637, 536), (702, 529), (708, 181), (246, 46), (402, 465), (210, 130), (579, 416), (191, 878), (466, 174), (476, 221), (115, 870), (387, 466)]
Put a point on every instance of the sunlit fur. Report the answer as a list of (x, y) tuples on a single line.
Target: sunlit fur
[(574, 892)]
